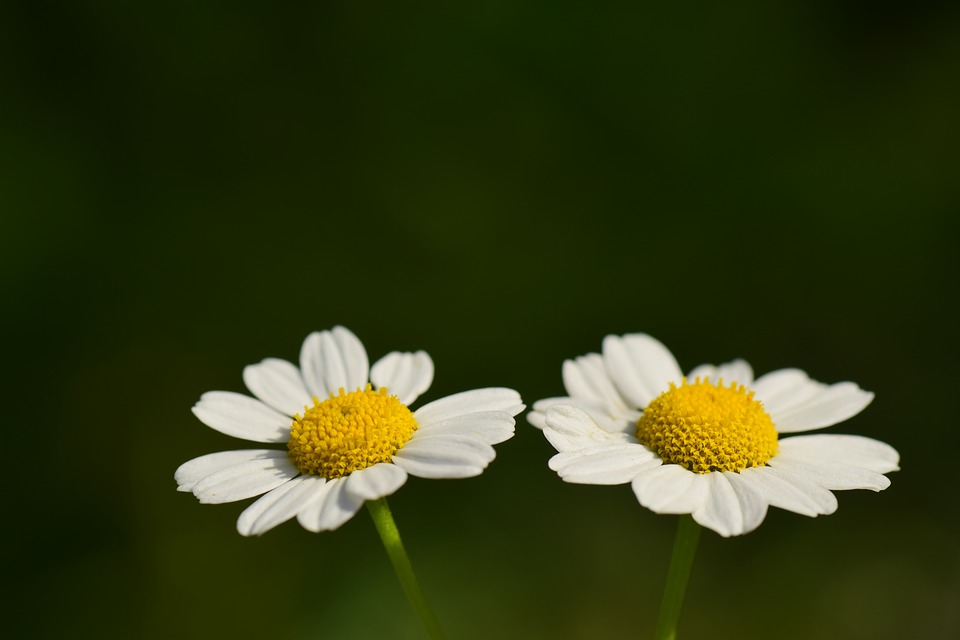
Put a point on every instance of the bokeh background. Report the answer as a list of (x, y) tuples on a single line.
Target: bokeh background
[(189, 187)]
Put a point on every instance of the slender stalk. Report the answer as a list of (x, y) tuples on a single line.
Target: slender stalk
[(387, 528), (681, 562)]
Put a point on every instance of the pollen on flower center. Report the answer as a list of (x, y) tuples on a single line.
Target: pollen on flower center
[(348, 432), (706, 427)]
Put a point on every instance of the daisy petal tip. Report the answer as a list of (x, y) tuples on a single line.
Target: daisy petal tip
[(246, 529), (209, 395), (307, 525), (554, 464), (183, 478), (721, 529), (445, 456), (810, 513), (513, 403), (612, 339), (865, 397), (180, 476), (375, 482)]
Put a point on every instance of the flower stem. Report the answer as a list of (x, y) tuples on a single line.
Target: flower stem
[(387, 528), (681, 562)]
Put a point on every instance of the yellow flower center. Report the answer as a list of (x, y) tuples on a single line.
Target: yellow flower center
[(348, 432), (706, 427)]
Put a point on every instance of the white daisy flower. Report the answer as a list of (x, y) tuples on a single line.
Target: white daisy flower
[(349, 434), (707, 444)]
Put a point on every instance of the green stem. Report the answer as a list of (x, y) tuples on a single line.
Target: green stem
[(387, 528), (681, 562)]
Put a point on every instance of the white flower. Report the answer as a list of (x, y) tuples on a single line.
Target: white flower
[(707, 444), (350, 436)]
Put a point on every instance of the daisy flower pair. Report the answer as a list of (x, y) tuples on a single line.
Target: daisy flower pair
[(704, 444)]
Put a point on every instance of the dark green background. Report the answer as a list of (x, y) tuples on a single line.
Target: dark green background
[(189, 187)]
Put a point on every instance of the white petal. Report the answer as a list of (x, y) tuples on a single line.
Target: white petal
[(375, 482), (856, 451), (586, 379), (333, 360), (330, 509), (444, 456), (241, 416), (590, 387), (722, 510), (192, 471), (492, 399), (278, 384), (278, 506), (405, 375), (570, 428), (309, 513), (753, 503), (625, 422), (784, 389), (671, 489), (772, 385), (536, 417), (791, 492), (608, 464), (354, 356), (491, 427), (706, 372), (830, 475), (244, 480), (738, 371), (828, 406), (640, 366)]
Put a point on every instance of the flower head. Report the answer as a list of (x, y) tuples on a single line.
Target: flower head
[(349, 434), (707, 444)]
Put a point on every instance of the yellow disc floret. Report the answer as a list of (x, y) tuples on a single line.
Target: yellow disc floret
[(706, 427), (348, 432)]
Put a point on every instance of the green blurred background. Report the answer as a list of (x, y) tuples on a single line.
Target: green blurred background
[(189, 187)]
